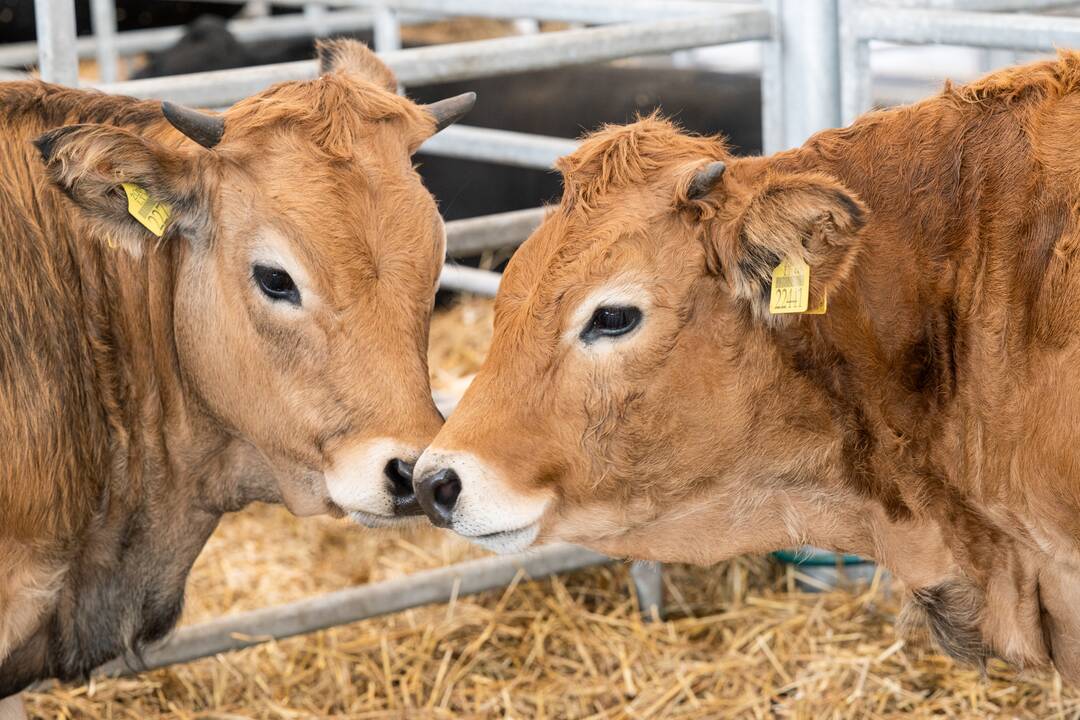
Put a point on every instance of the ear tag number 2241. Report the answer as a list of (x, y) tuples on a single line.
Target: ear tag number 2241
[(791, 289), (153, 215)]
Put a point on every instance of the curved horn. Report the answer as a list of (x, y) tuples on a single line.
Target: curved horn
[(449, 111), (706, 179), (200, 127)]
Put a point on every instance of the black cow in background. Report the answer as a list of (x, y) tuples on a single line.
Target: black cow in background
[(564, 102)]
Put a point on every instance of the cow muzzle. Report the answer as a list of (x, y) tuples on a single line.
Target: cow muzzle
[(460, 493), (372, 482)]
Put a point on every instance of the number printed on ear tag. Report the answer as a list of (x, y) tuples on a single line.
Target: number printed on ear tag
[(153, 215), (790, 287)]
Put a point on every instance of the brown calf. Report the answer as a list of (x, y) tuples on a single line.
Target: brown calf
[(269, 347), (640, 397)]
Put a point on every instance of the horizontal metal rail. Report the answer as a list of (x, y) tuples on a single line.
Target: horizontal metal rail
[(861, 23), (442, 63), (1035, 33), (473, 236), (243, 630), (470, 280), (598, 12), (134, 42), (499, 146)]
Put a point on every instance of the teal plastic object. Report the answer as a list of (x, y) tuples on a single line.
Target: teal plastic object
[(816, 558)]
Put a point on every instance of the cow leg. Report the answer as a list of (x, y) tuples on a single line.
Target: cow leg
[(12, 708)]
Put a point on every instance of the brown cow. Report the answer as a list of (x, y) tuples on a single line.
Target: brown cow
[(269, 347), (641, 399)]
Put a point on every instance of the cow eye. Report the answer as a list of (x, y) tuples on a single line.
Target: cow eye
[(611, 322), (276, 284)]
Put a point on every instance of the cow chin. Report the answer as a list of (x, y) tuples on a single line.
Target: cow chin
[(357, 484)]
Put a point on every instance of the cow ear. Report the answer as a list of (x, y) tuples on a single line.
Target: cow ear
[(354, 58), (108, 172), (799, 216)]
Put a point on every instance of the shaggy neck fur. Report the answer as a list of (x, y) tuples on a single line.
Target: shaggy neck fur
[(107, 461)]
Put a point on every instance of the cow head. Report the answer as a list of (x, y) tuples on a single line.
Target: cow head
[(305, 254), (634, 399)]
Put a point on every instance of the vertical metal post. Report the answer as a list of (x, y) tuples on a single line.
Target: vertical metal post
[(104, 25), (648, 580), (387, 30), (58, 61), (772, 86), (856, 79), (315, 14), (809, 60)]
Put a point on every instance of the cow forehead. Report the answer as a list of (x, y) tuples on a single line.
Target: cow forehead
[(348, 223)]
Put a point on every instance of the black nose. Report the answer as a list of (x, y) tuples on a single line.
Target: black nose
[(437, 494), (399, 473)]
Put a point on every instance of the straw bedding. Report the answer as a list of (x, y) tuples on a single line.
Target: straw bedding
[(740, 641)]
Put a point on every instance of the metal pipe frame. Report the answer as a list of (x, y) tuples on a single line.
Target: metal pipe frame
[(499, 146), (246, 629), (862, 23), (134, 42), (55, 20), (457, 61), (591, 12), (473, 236), (104, 23)]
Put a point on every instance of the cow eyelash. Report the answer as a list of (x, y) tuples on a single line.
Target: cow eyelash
[(276, 284), (611, 321)]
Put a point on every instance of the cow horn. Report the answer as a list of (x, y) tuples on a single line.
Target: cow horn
[(705, 180), (202, 128), (449, 111)]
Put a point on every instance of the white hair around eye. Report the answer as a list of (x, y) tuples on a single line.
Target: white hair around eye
[(622, 298), (271, 249)]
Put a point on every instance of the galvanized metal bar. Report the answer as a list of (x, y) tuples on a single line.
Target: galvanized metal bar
[(856, 79), (648, 580), (807, 35), (57, 60), (387, 30), (246, 30), (470, 280), (104, 25), (315, 13), (442, 63), (982, 5), (597, 12), (499, 146), (358, 603), (1036, 33), (773, 133), (473, 236)]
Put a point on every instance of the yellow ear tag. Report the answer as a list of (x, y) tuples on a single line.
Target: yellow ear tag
[(790, 287), (153, 215)]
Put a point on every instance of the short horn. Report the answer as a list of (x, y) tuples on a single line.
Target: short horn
[(706, 180), (449, 111), (202, 128)]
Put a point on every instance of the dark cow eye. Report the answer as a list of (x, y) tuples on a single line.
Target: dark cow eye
[(611, 322), (276, 284)]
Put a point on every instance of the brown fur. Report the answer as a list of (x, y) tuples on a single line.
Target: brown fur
[(147, 386), (928, 420)]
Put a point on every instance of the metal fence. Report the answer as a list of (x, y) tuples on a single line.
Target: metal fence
[(814, 73)]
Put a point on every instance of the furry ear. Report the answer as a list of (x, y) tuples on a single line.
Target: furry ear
[(806, 216), (355, 58), (91, 164)]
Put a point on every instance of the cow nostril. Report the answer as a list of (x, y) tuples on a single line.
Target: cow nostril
[(446, 486), (399, 473), (437, 493)]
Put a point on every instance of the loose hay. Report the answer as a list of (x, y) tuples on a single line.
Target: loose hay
[(739, 641)]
